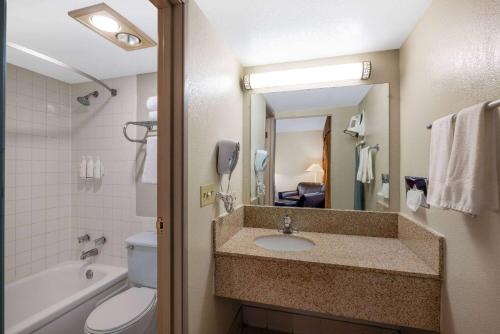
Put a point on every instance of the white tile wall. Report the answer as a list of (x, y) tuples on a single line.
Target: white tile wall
[(38, 169), (47, 205), (106, 207)]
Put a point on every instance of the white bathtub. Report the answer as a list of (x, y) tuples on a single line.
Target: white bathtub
[(58, 300)]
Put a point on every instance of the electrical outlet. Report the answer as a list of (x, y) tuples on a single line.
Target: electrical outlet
[(207, 195)]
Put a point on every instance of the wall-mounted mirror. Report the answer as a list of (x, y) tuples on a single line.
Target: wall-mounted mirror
[(321, 148)]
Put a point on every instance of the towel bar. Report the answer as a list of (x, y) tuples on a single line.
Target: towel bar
[(149, 125), (491, 106)]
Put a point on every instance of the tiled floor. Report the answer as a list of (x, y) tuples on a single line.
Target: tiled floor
[(252, 330)]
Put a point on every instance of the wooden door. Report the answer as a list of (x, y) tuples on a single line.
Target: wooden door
[(170, 165)]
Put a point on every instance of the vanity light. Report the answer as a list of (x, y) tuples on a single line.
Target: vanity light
[(111, 25), (309, 75)]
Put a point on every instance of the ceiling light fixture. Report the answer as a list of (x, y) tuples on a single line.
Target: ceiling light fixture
[(309, 75), (127, 38), (105, 23), (111, 25)]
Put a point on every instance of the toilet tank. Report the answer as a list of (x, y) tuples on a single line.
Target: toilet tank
[(141, 255)]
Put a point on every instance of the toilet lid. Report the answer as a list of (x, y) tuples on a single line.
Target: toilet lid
[(121, 310)]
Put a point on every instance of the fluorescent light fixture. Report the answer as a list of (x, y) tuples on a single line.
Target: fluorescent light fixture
[(113, 26), (309, 75), (105, 23)]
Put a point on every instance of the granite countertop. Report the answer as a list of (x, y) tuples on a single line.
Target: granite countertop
[(386, 255)]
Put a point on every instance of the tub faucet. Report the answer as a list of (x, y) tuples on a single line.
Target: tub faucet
[(92, 252), (287, 226)]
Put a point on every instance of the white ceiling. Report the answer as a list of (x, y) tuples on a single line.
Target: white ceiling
[(265, 32), (44, 26), (334, 97), (300, 124)]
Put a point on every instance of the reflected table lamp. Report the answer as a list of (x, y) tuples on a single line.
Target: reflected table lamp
[(315, 168)]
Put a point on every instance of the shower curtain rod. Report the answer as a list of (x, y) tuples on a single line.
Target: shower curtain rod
[(60, 63)]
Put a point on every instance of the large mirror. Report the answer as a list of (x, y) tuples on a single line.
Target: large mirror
[(321, 148)]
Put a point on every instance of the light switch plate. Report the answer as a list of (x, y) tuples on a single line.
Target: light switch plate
[(207, 195)]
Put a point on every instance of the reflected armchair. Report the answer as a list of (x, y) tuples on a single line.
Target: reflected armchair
[(308, 194)]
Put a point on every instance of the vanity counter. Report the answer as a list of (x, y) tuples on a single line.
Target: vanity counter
[(378, 267), (386, 255)]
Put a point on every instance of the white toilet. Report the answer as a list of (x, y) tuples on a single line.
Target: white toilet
[(132, 311)]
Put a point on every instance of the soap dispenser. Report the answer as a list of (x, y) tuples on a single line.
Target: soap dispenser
[(97, 169), (90, 168), (83, 168)]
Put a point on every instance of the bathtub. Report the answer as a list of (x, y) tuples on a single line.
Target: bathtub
[(58, 300)]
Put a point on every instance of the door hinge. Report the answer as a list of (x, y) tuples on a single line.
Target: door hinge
[(160, 224)]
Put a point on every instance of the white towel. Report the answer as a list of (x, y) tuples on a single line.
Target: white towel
[(365, 168), (152, 103), (369, 166), (414, 199), (153, 116), (440, 150), (472, 179), (149, 171)]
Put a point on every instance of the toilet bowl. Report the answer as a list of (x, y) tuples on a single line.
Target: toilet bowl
[(130, 312)]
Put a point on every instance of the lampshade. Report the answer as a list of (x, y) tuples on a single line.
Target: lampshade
[(314, 168)]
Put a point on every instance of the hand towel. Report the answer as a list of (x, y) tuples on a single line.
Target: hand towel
[(361, 165), (472, 179), (149, 170), (440, 150), (365, 169), (153, 116), (369, 166), (152, 103)]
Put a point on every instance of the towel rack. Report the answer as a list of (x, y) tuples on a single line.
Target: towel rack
[(149, 125), (491, 106)]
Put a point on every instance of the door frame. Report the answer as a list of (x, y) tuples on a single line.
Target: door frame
[(3, 59), (170, 193)]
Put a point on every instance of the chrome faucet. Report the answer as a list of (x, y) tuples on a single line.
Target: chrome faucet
[(287, 226), (92, 252)]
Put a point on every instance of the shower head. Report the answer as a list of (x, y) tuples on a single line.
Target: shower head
[(84, 100)]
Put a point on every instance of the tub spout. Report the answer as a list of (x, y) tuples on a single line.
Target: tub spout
[(92, 252)]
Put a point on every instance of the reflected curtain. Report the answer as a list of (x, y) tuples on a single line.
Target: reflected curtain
[(327, 148)]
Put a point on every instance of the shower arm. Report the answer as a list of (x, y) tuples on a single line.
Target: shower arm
[(60, 63)]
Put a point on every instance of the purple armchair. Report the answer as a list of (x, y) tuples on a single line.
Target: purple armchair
[(308, 194)]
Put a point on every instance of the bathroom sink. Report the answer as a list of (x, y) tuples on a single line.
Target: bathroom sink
[(287, 243)]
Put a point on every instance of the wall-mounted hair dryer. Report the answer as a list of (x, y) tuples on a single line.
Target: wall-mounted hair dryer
[(227, 156), (228, 152)]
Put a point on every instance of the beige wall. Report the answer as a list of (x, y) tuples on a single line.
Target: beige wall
[(385, 69), (295, 151), (376, 107), (214, 104), (258, 136), (145, 193), (343, 165), (451, 61)]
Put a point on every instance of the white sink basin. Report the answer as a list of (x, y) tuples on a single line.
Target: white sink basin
[(287, 243)]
